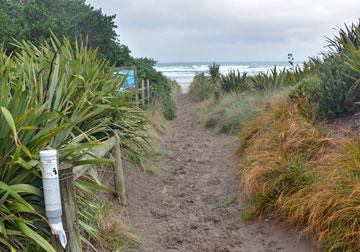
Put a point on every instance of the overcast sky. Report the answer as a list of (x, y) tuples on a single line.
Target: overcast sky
[(227, 30)]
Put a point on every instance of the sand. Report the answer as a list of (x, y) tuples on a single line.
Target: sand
[(195, 203)]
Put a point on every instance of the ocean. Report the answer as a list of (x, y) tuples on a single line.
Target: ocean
[(184, 73)]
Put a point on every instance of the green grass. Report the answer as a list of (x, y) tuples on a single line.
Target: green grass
[(249, 216), (226, 203), (169, 107), (201, 88), (235, 109)]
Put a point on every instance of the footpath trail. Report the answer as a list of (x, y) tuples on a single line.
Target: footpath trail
[(194, 205)]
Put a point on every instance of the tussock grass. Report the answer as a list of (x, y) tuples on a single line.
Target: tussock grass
[(288, 167), (236, 108), (330, 206), (276, 147), (287, 164), (114, 235)]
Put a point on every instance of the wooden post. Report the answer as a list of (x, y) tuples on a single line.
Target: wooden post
[(56, 244), (119, 174), (136, 92), (69, 208), (216, 97), (148, 91), (143, 92)]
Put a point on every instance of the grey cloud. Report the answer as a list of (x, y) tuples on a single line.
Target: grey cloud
[(179, 30)]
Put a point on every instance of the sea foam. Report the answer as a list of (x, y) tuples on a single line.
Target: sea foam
[(184, 73)]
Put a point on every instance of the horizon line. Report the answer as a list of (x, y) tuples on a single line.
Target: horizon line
[(223, 61)]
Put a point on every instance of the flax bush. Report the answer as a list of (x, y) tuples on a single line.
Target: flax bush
[(61, 96)]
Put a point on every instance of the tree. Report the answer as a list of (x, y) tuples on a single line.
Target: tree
[(34, 20)]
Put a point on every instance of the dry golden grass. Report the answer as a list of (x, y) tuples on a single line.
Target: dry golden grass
[(329, 208), (287, 167), (115, 236), (276, 147)]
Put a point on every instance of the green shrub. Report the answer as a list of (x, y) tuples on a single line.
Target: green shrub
[(169, 108), (274, 78), (306, 88), (337, 93), (201, 88), (164, 92), (214, 72), (303, 96), (333, 92)]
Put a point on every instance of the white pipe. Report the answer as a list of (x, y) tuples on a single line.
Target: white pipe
[(52, 198)]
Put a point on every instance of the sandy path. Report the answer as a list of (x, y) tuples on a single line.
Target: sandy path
[(194, 205)]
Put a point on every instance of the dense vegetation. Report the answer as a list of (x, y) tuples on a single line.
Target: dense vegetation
[(242, 96), (64, 97), (236, 108), (324, 88), (290, 163), (57, 89), (289, 167), (36, 20), (201, 88)]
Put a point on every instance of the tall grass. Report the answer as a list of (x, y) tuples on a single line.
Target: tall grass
[(276, 148), (291, 166), (235, 109), (329, 206), (114, 234), (243, 96), (288, 166), (201, 88), (165, 92)]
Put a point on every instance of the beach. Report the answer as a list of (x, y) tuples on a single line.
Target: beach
[(185, 72)]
